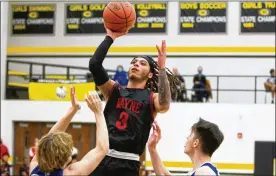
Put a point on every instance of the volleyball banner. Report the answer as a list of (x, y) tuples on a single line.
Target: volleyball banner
[(258, 17), (88, 18), (33, 19), (150, 18), (203, 17), (58, 90)]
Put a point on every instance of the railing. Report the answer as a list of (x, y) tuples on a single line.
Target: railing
[(219, 78), (220, 83)]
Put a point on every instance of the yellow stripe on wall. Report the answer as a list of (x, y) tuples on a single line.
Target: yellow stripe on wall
[(14, 84), (228, 166), (33, 50), (17, 73)]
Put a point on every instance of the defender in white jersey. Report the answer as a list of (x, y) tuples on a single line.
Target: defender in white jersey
[(203, 141)]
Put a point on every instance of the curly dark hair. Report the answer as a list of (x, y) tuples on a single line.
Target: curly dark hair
[(152, 83)]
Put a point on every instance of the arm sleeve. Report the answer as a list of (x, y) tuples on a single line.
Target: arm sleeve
[(96, 62)]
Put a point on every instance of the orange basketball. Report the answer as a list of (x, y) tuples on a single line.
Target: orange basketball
[(119, 16)]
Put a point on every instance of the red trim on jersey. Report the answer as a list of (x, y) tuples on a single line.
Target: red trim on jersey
[(151, 105), (114, 85)]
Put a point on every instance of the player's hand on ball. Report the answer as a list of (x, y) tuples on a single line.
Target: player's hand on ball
[(74, 101), (155, 136), (114, 35), (94, 102), (162, 55)]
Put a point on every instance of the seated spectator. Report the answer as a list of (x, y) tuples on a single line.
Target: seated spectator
[(209, 94), (181, 94), (4, 149), (199, 85), (270, 84), (4, 164), (120, 76), (74, 155), (89, 77), (32, 149), (24, 169)]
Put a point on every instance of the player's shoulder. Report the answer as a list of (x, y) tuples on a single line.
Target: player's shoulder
[(205, 170)]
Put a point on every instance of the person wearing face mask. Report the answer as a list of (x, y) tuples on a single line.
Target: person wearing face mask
[(199, 85), (120, 76)]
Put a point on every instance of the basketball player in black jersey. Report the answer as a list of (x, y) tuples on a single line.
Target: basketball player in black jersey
[(130, 111)]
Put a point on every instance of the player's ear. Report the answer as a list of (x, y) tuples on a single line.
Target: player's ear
[(150, 75), (196, 143)]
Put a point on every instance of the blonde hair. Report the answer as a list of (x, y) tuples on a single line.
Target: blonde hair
[(53, 151)]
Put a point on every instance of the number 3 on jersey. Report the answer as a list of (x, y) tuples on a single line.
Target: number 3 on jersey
[(121, 124)]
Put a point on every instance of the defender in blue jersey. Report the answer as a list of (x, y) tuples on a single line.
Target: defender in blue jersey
[(203, 141), (53, 151)]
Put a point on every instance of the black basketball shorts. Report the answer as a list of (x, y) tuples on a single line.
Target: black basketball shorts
[(111, 166)]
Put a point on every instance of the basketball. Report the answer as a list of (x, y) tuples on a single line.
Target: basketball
[(119, 16)]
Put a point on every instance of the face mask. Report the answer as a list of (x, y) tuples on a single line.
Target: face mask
[(119, 69), (199, 71)]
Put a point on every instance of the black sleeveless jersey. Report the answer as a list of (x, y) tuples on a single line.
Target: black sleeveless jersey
[(129, 116)]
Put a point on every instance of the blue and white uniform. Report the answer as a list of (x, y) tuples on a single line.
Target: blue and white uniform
[(207, 164), (38, 172)]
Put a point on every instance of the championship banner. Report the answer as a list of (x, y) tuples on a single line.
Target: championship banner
[(150, 18), (33, 19), (84, 18), (59, 90), (258, 17), (203, 17), (88, 18)]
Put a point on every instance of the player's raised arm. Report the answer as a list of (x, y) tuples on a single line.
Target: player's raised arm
[(96, 63), (163, 98), (63, 123), (157, 164), (92, 159)]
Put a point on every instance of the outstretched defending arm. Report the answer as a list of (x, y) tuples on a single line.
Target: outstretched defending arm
[(63, 123), (96, 64), (162, 101), (93, 158), (157, 164)]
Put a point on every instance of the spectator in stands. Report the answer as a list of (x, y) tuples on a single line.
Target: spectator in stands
[(199, 85), (120, 76), (180, 94), (89, 77), (5, 167), (32, 149), (74, 155), (24, 169), (270, 84), (4, 149)]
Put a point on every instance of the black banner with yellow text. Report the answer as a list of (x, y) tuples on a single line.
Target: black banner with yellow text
[(33, 19), (88, 18), (258, 17), (203, 17), (84, 18), (151, 18)]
